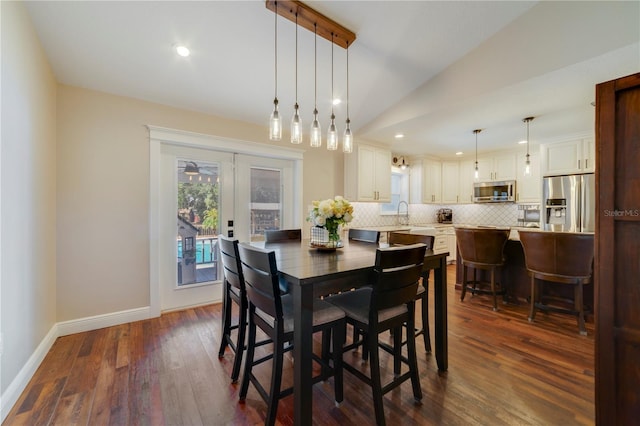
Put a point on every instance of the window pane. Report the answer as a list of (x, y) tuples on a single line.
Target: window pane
[(198, 223), (266, 204)]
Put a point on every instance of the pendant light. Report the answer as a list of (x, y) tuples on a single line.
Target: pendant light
[(296, 123), (275, 123), (347, 142), (527, 163), (475, 174), (316, 132), (332, 134)]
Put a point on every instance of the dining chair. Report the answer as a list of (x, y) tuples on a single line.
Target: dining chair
[(280, 235), (272, 312), (482, 248), (364, 235), (387, 305), (233, 290), (405, 238), (565, 258)]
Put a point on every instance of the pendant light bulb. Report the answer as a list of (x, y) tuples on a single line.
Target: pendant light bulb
[(316, 132), (296, 122), (347, 141), (476, 175), (275, 123), (332, 135), (527, 164)]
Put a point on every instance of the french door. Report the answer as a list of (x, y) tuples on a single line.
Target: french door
[(203, 193)]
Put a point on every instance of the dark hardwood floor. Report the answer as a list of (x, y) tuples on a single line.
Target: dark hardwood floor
[(166, 371)]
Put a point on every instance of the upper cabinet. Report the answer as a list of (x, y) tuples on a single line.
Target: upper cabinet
[(431, 181), (450, 182), (497, 167), (367, 174), (528, 188), (465, 183), (574, 156)]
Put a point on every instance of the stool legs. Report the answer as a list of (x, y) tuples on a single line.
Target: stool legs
[(579, 307)]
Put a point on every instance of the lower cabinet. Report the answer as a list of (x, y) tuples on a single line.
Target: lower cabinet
[(445, 240)]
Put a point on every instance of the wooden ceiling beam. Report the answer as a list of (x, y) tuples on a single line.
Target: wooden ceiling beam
[(307, 17)]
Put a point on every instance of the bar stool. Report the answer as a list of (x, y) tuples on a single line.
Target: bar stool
[(559, 257), (482, 248)]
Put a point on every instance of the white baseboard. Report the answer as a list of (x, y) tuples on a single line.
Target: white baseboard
[(17, 385)]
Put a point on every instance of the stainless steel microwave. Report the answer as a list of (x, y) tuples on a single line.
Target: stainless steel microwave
[(494, 192)]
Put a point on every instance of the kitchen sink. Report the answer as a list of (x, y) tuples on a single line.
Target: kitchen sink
[(423, 230)]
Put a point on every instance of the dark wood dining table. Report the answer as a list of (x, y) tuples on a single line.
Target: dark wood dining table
[(311, 273)]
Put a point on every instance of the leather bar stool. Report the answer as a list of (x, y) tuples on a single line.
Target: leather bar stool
[(565, 258), (482, 248)]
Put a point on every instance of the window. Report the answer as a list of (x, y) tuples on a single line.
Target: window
[(399, 192)]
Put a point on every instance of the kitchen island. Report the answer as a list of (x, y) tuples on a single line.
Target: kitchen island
[(516, 279)]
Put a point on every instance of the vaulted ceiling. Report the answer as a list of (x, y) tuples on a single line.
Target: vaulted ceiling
[(433, 71)]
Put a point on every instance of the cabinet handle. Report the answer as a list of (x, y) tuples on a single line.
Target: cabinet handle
[(586, 163), (457, 198), (578, 164)]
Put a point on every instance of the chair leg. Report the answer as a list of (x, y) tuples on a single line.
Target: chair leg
[(532, 311), (397, 349), (493, 289), (579, 306), (464, 282), (413, 364), (425, 314), (326, 352), (376, 384), (240, 343), (226, 321), (248, 363), (339, 335), (276, 379)]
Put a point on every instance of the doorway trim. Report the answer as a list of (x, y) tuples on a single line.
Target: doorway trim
[(162, 135)]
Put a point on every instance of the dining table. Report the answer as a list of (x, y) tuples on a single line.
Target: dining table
[(312, 272)]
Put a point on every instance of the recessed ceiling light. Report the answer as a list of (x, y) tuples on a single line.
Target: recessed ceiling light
[(459, 153), (522, 142), (337, 101), (182, 51), (399, 136)]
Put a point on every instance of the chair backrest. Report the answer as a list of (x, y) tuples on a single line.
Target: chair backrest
[(405, 238), (364, 235), (396, 274), (482, 246), (231, 267), (279, 235), (558, 255), (261, 280)]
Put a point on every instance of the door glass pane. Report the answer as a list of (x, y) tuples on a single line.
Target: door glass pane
[(197, 222), (266, 204)]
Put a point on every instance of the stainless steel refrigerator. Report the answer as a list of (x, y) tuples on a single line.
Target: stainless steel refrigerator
[(569, 203)]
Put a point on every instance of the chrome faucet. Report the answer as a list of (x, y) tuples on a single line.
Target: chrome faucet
[(405, 218)]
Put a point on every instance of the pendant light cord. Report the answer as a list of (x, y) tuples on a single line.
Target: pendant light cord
[(315, 66), (276, 50), (331, 74), (347, 80), (296, 58)]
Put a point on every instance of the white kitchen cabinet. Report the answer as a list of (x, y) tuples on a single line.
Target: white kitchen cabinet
[(450, 182), (497, 167), (528, 188), (431, 181), (367, 174), (574, 156), (445, 241), (465, 182)]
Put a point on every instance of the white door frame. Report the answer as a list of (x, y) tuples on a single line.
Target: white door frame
[(161, 135)]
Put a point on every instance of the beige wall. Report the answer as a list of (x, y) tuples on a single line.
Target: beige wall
[(103, 193), (28, 179)]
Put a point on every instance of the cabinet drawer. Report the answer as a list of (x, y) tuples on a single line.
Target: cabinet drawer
[(440, 244)]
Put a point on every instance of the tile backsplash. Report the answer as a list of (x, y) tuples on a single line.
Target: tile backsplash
[(368, 214)]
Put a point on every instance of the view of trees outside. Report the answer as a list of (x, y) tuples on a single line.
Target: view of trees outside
[(198, 201)]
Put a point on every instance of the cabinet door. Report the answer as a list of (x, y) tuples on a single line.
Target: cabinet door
[(561, 158), (465, 182), (485, 169), (432, 181), (528, 188), (366, 173), (450, 182), (382, 175), (504, 167), (589, 154)]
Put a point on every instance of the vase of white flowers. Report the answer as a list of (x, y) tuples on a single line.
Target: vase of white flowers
[(330, 214)]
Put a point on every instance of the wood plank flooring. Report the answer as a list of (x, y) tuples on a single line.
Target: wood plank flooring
[(165, 371)]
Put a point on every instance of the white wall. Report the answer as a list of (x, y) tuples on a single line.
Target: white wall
[(28, 168)]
